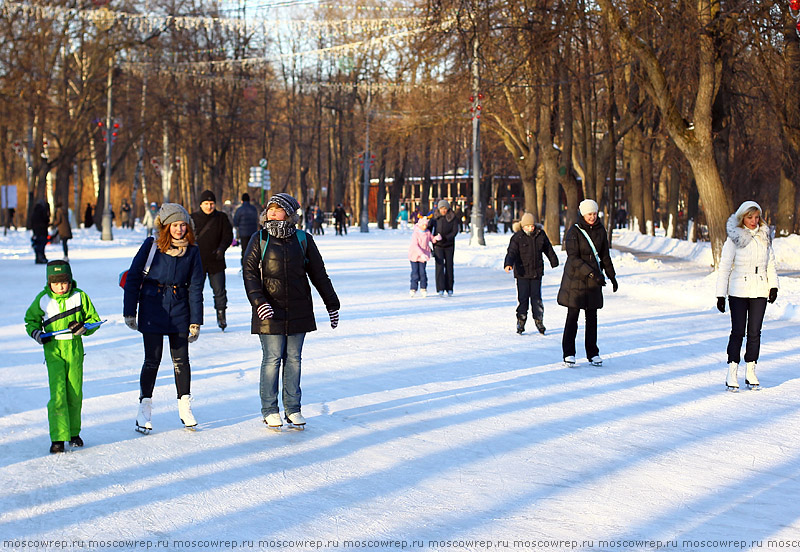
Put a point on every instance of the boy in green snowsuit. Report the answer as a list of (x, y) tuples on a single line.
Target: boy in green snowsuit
[(61, 305)]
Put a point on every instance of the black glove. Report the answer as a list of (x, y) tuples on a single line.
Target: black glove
[(721, 304), (77, 328), (219, 253), (773, 294), (597, 278), (614, 285)]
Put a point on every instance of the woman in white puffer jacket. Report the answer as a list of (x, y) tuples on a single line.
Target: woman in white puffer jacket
[(748, 277)]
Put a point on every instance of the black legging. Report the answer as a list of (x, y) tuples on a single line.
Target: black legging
[(747, 316), (153, 349)]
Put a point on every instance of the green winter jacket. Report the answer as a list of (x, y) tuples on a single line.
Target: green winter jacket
[(50, 312)]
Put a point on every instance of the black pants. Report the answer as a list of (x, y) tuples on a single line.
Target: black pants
[(529, 290), (39, 243), (747, 316), (444, 267), (571, 331), (243, 243), (65, 247), (153, 349), (217, 281)]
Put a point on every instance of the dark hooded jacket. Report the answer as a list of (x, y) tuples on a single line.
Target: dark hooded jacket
[(282, 280), (577, 289), (525, 253)]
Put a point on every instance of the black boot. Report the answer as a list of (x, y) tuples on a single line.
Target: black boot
[(521, 318), (539, 325), (76, 441), (56, 446), (221, 322)]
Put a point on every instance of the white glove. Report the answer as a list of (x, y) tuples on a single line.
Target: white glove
[(194, 332), (264, 311), (130, 321)]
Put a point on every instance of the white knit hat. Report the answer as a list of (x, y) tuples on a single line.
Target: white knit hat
[(588, 206)]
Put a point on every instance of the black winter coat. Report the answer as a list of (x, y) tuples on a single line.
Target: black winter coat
[(577, 289), (214, 235), (525, 253), (447, 226), (40, 219), (284, 283)]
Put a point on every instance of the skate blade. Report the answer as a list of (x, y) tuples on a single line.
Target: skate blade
[(754, 387), (296, 427), (732, 389), (143, 430)]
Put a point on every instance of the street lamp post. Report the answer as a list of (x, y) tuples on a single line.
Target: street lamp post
[(476, 236), (365, 192), (106, 233)]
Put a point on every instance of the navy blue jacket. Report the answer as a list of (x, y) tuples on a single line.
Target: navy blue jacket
[(171, 295)]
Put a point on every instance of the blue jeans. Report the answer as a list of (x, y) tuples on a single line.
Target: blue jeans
[(277, 348), (418, 275)]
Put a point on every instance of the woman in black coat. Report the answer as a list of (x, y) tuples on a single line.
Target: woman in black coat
[(444, 227), (582, 282), (278, 264)]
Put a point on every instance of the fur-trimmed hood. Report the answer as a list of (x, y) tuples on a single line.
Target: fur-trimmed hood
[(742, 236)]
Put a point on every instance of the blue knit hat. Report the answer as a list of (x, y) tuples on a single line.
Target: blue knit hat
[(288, 204)]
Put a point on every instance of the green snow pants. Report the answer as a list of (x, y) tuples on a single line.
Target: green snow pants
[(65, 371)]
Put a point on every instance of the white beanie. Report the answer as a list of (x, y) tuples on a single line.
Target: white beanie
[(744, 207), (588, 206)]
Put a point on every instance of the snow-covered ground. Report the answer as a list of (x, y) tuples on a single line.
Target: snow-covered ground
[(431, 424)]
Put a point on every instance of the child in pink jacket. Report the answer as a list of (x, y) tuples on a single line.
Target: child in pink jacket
[(418, 253)]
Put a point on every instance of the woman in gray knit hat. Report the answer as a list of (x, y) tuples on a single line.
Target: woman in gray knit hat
[(165, 285), (278, 264)]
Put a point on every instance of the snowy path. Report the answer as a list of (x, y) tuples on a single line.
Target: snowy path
[(429, 419)]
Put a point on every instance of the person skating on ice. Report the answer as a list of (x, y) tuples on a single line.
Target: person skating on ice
[(169, 302), (586, 243), (419, 253), (214, 236), (748, 277), (278, 264), (444, 227), (62, 305), (525, 256)]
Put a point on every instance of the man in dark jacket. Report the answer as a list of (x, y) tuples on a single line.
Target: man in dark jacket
[(444, 227), (525, 257), (214, 235), (40, 219), (245, 220)]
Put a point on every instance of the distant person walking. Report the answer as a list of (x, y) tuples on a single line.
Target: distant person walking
[(40, 222), (245, 221), (582, 283), (340, 220), (149, 218), (747, 276), (526, 250), (88, 216), (61, 222)]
